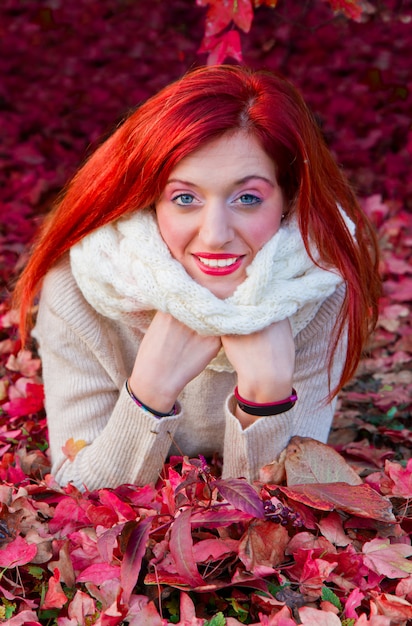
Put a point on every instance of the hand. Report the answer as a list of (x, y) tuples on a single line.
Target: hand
[(264, 362), (170, 356)]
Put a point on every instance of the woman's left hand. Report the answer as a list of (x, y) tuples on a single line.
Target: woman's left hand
[(264, 362)]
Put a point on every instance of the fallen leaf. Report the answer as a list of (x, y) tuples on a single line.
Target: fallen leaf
[(310, 461), (241, 495), (360, 500), (181, 548), (389, 559), (262, 547)]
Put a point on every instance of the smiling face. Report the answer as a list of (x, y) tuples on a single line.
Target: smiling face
[(221, 204)]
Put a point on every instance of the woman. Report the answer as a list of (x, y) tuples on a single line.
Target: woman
[(206, 266)]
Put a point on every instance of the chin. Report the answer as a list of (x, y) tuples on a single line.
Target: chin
[(222, 292)]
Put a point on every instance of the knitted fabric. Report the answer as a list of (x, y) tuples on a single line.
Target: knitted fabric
[(126, 272)]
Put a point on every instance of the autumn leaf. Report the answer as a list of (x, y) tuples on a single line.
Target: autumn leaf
[(17, 552), (241, 495), (181, 548), (72, 447), (360, 500), (55, 597), (398, 610), (389, 559), (97, 573), (314, 617), (262, 547), (401, 478), (310, 461), (132, 558)]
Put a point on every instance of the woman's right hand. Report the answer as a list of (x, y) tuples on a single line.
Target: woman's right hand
[(169, 357)]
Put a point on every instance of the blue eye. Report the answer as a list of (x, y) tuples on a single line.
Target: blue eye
[(183, 199), (248, 198)]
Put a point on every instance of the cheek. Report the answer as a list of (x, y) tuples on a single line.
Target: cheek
[(261, 232), (172, 232)]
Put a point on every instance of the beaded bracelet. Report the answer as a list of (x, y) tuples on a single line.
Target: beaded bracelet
[(147, 408), (266, 408)]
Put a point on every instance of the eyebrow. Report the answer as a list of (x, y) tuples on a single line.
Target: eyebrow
[(241, 181)]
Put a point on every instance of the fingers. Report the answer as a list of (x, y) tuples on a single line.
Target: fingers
[(170, 356)]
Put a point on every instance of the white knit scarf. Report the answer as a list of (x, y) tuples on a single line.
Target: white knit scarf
[(126, 272)]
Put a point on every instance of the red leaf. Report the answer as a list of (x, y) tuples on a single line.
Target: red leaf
[(397, 609), (262, 547), (98, 573), (16, 553), (350, 8), (222, 46), (55, 597), (359, 500), (241, 495), (213, 549), (401, 478), (181, 548), (132, 559), (221, 14), (218, 517)]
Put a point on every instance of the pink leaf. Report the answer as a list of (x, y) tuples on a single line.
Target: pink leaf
[(81, 606), (353, 602), (401, 478), (241, 495), (310, 617), (132, 559), (213, 549), (98, 573), (22, 618), (16, 553), (181, 548), (222, 46), (388, 559)]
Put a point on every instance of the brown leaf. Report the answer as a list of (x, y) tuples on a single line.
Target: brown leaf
[(262, 547), (309, 461)]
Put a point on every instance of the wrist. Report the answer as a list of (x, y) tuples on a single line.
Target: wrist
[(158, 405), (264, 392)]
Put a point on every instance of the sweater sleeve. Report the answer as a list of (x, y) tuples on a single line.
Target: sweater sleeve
[(87, 401), (246, 451)]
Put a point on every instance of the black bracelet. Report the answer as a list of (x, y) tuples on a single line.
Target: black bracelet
[(268, 408), (147, 408)]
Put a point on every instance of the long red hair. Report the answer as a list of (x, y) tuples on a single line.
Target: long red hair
[(130, 169)]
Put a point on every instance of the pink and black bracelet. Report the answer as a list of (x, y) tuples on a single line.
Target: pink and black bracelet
[(267, 408), (147, 408)]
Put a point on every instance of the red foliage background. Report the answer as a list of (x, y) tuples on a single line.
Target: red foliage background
[(194, 551)]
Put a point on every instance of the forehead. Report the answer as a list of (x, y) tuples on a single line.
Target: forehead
[(237, 153)]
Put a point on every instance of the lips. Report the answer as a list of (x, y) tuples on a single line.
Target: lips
[(217, 264)]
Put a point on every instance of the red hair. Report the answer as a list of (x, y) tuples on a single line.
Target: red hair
[(129, 171)]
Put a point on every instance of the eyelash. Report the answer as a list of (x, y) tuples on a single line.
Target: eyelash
[(183, 195), (255, 199)]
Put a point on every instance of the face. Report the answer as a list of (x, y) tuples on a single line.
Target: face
[(221, 204)]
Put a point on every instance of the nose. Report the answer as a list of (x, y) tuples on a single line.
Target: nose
[(215, 229)]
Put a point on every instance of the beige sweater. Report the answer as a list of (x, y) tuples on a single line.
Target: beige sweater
[(86, 361)]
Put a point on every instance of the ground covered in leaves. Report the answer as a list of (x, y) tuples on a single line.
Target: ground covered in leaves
[(325, 539)]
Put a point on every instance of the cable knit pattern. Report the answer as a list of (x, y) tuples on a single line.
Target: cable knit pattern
[(125, 271)]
